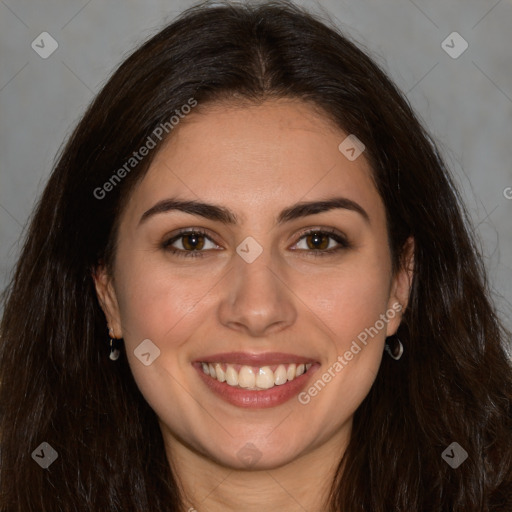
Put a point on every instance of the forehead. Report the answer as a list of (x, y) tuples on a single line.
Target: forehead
[(255, 159)]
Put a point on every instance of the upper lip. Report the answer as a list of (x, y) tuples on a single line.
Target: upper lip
[(251, 359)]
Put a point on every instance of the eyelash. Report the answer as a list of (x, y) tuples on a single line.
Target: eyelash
[(331, 233)]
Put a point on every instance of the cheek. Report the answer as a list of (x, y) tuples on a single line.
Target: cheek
[(164, 307), (350, 303), (349, 299), (154, 300)]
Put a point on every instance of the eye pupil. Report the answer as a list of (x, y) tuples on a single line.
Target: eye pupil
[(319, 240), (193, 241)]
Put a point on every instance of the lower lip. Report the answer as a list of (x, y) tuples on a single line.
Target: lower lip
[(257, 399)]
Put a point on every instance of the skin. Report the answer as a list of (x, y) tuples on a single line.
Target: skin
[(256, 161)]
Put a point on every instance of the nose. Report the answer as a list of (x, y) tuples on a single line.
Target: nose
[(257, 300)]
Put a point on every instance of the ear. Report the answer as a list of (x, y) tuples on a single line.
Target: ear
[(401, 288), (107, 298)]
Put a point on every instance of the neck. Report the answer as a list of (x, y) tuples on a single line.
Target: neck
[(299, 485)]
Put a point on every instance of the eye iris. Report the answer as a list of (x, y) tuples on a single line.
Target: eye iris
[(319, 240), (193, 241)]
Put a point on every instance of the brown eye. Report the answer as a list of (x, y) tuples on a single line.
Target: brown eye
[(190, 243), (193, 241), (317, 240)]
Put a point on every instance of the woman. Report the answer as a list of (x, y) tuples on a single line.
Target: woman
[(249, 285)]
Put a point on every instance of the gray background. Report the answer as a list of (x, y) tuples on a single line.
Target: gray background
[(465, 102)]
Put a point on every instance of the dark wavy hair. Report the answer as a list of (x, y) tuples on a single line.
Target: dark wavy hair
[(57, 384)]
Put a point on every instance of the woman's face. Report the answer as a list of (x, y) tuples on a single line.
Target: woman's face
[(286, 267)]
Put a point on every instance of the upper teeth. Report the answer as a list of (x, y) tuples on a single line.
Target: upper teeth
[(250, 377)]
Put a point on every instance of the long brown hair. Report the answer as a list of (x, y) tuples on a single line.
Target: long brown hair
[(453, 384)]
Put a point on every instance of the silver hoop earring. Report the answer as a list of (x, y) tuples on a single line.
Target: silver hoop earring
[(395, 349), (114, 351), (114, 346)]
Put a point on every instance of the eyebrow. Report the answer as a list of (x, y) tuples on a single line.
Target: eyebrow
[(226, 216)]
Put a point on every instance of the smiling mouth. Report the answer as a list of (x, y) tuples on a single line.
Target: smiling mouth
[(254, 378)]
